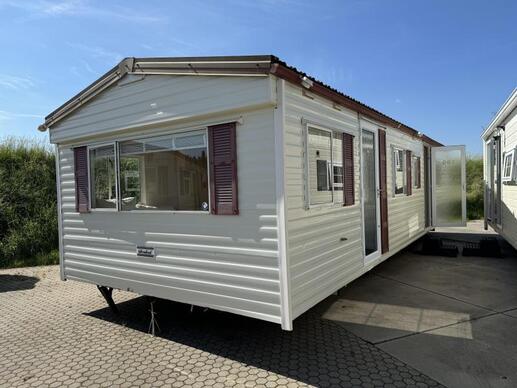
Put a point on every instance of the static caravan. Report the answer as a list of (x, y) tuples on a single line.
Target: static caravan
[(239, 184), (500, 174)]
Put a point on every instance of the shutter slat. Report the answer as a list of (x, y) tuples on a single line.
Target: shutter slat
[(409, 184), (223, 169), (82, 188), (348, 169)]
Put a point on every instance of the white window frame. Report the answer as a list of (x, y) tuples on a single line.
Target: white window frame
[(394, 151), (332, 131), (173, 135), (90, 186), (511, 156), (413, 180), (115, 143), (338, 164)]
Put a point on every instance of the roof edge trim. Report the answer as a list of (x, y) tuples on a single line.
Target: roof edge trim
[(506, 109), (245, 65)]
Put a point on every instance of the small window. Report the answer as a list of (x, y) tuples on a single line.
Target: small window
[(103, 181), (399, 172), (415, 171), (338, 176), (508, 167), (164, 173), (323, 175), (325, 166)]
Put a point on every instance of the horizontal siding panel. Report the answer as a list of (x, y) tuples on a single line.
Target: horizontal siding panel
[(203, 272), (319, 261), (160, 97), (406, 214), (253, 308), (222, 262), (509, 192), (186, 283)]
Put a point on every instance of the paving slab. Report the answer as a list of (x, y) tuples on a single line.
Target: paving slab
[(486, 282), (484, 354), (511, 313), (62, 334), (379, 309)]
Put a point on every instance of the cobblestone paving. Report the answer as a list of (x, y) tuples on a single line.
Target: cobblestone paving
[(55, 334)]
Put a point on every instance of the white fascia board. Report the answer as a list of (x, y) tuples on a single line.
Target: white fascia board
[(509, 105)]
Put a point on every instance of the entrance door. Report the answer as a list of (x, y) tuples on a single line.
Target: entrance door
[(370, 194), (449, 183)]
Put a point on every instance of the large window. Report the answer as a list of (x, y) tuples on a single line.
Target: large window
[(325, 166), (164, 173), (156, 173), (103, 182), (399, 172)]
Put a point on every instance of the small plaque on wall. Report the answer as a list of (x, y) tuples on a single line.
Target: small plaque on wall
[(145, 251)]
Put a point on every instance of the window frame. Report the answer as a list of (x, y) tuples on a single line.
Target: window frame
[(395, 149), (340, 165), (334, 203), (90, 186), (414, 171), (179, 133), (510, 177)]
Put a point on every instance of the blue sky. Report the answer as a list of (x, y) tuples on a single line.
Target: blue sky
[(443, 67)]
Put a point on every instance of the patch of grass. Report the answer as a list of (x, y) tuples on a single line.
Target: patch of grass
[(50, 258)]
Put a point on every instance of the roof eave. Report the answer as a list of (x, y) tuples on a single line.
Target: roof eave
[(293, 76), (506, 109), (249, 65)]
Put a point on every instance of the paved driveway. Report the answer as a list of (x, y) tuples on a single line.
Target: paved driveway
[(455, 319), (55, 333)]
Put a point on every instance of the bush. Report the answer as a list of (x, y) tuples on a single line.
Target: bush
[(475, 188), (28, 205)]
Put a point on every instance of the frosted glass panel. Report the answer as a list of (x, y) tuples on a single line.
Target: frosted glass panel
[(448, 186), (370, 193)]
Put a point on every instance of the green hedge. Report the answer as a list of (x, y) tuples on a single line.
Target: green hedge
[(475, 188), (28, 205)]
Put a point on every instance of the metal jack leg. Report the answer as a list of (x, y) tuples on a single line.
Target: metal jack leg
[(153, 325), (107, 294)]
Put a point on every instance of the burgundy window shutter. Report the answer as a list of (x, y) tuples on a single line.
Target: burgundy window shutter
[(81, 179), (223, 169), (348, 169), (409, 184)]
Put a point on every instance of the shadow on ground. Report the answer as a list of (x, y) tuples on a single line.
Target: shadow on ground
[(16, 282), (317, 352)]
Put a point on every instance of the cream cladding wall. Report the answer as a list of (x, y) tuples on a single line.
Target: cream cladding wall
[(224, 262), (320, 263)]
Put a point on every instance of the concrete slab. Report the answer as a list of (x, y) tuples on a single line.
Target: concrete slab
[(486, 282), (486, 357), (474, 226), (511, 313), (379, 309)]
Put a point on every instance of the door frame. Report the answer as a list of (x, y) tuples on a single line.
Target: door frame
[(493, 181), (367, 259), (428, 191)]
